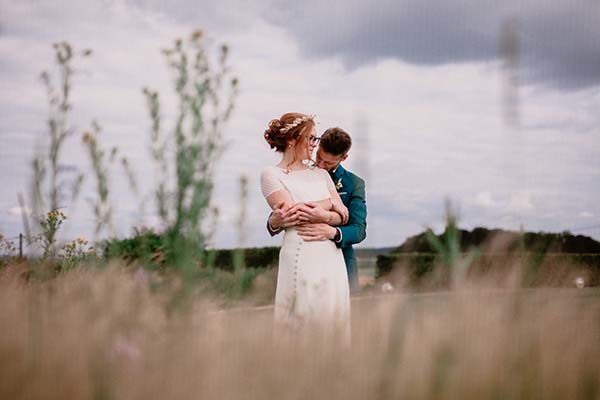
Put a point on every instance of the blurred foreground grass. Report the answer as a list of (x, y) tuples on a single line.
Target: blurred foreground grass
[(106, 334)]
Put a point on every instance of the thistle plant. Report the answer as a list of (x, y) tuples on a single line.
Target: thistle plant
[(7, 249), (59, 100), (205, 94), (50, 225), (74, 252), (50, 186)]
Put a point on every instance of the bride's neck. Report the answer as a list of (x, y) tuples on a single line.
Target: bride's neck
[(289, 161)]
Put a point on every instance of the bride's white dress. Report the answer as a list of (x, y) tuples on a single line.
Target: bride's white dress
[(312, 283)]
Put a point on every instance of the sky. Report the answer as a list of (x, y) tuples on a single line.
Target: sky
[(422, 88)]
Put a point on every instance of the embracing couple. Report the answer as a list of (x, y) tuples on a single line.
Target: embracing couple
[(321, 208)]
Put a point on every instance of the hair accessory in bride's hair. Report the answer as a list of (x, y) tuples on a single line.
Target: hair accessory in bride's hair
[(296, 122)]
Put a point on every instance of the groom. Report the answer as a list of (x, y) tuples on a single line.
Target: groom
[(333, 149)]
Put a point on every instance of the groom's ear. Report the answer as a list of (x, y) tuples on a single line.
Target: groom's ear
[(344, 157)]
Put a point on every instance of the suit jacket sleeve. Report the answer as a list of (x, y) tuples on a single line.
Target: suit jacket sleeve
[(272, 231), (355, 230)]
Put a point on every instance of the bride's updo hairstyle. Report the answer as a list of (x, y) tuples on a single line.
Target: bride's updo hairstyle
[(290, 126)]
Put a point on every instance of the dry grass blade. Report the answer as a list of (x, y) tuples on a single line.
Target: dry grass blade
[(104, 334)]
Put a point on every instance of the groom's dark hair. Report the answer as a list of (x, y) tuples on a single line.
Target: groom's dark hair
[(335, 141)]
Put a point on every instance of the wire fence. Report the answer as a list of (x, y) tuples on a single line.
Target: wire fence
[(24, 244), (592, 228)]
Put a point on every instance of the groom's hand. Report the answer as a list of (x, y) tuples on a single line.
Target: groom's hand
[(312, 213), (283, 216), (316, 232)]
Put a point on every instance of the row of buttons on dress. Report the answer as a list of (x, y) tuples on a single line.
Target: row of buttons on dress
[(296, 266)]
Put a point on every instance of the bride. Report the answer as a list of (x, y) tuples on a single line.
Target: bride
[(312, 283)]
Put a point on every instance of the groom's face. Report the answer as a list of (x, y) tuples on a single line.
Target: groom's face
[(327, 160)]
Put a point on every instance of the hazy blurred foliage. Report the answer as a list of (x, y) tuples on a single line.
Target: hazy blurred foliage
[(144, 246), (101, 161), (221, 269), (448, 247), (238, 255), (101, 206), (205, 93), (214, 271), (8, 250), (184, 158), (108, 334), (53, 182), (510, 49)]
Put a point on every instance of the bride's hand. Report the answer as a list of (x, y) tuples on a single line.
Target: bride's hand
[(342, 210), (313, 212), (284, 216)]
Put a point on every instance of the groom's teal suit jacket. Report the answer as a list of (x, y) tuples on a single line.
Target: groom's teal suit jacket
[(351, 189)]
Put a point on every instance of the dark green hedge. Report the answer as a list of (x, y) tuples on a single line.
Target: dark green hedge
[(419, 263), (153, 249), (262, 257), (535, 242), (144, 247)]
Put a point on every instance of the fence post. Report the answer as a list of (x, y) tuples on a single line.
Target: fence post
[(20, 246)]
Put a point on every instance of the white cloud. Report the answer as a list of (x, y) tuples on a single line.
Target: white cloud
[(485, 199), (586, 214), (521, 201)]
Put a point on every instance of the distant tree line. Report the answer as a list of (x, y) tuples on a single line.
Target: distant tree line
[(546, 259), (499, 240)]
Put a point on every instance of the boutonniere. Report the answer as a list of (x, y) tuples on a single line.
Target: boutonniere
[(339, 185)]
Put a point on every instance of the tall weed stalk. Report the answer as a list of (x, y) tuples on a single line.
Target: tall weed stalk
[(448, 248), (53, 181), (205, 93)]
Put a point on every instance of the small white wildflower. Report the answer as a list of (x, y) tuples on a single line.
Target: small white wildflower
[(387, 287)]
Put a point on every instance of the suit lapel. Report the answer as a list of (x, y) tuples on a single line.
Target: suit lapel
[(340, 176), (339, 173)]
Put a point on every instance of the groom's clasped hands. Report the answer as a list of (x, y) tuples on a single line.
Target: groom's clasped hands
[(310, 219)]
